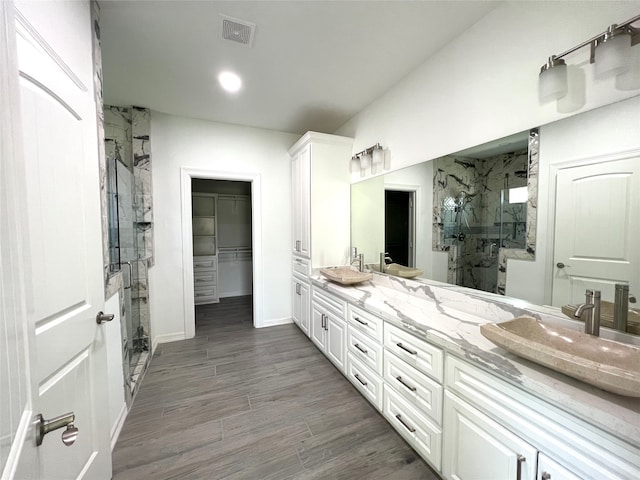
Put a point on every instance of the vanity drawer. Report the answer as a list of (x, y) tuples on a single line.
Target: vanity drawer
[(365, 349), (202, 279), (209, 262), (365, 380), (415, 387), (423, 435), (301, 266), (366, 322), (206, 294), (329, 302), (416, 352)]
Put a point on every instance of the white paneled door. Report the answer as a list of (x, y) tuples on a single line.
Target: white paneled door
[(597, 225), (61, 269)]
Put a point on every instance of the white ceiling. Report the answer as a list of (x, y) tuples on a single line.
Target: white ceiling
[(313, 65)]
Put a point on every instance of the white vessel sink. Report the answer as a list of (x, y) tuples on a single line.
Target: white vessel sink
[(345, 275), (398, 270), (402, 271), (606, 364)]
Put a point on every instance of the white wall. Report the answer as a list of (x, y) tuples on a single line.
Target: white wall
[(181, 142), (611, 129), (484, 85)]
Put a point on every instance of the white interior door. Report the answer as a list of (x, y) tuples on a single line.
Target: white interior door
[(597, 226), (62, 268)]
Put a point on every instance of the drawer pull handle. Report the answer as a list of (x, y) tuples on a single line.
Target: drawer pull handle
[(408, 350), (360, 380), (404, 424), (521, 460), (357, 319), (298, 288), (360, 348), (410, 387)]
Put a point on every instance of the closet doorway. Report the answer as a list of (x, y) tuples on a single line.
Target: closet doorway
[(222, 241), (232, 278)]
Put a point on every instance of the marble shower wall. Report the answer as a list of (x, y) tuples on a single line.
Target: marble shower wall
[(127, 148), (469, 220)]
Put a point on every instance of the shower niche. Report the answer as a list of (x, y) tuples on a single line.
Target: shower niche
[(480, 207)]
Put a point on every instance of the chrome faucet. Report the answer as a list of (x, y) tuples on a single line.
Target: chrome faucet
[(357, 257), (621, 307), (384, 256), (592, 304)]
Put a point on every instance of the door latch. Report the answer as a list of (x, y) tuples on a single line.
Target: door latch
[(45, 426)]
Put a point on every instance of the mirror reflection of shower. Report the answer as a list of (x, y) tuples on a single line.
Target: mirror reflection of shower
[(479, 212)]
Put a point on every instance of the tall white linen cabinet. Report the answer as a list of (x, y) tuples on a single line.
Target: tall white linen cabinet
[(321, 211)]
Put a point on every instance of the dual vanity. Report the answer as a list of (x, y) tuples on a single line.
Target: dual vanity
[(415, 351), (469, 408)]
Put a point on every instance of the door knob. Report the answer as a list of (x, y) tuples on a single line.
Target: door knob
[(104, 317), (561, 265), (45, 426)]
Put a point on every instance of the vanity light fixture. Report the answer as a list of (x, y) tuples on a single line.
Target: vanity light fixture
[(610, 52), (375, 157)]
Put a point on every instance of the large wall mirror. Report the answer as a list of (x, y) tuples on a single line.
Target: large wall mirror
[(470, 219)]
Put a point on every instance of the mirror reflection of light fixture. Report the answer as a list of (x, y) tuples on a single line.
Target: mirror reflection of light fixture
[(610, 52), (354, 164), (375, 157)]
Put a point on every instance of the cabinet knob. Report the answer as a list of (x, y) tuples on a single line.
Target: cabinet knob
[(545, 476)]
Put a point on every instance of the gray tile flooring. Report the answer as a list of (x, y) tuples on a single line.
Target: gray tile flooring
[(242, 403)]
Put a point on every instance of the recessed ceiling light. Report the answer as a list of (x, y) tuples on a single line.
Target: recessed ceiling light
[(230, 81)]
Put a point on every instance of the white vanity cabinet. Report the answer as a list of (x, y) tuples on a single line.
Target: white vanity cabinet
[(365, 354), (478, 447), (321, 198), (413, 374), (493, 430), (328, 327), (300, 291), (550, 470)]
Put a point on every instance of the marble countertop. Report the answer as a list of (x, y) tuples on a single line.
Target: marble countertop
[(451, 319)]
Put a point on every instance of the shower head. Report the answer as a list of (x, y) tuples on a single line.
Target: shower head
[(465, 197)]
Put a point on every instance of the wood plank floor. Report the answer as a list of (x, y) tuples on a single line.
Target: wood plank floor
[(242, 403)]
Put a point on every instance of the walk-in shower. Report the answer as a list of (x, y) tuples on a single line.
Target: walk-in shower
[(481, 210), (126, 255)]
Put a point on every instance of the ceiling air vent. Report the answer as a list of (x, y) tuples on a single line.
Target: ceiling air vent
[(236, 30)]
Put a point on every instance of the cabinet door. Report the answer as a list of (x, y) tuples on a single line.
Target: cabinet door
[(318, 333), (295, 301), (305, 298), (476, 447), (336, 347), (295, 203), (301, 178), (550, 470), (300, 295)]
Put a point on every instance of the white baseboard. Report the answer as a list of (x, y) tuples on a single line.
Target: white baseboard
[(117, 427), (168, 337), (272, 322), (236, 293)]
